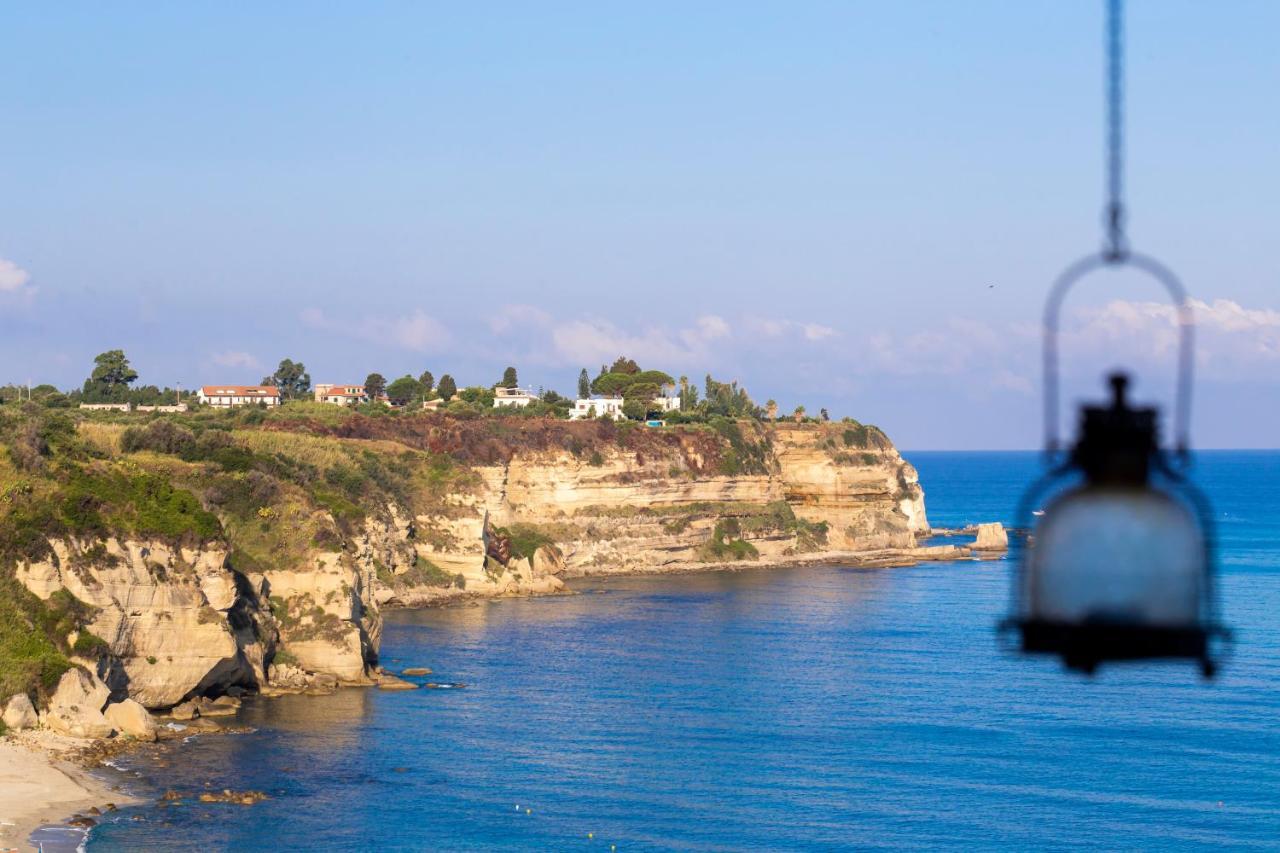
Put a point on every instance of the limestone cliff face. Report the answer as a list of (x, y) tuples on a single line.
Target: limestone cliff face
[(175, 621), (816, 490), (181, 622)]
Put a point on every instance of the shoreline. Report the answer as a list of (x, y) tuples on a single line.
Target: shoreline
[(43, 785), (876, 558), (47, 780)]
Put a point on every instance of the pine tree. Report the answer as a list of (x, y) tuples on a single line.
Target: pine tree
[(447, 388)]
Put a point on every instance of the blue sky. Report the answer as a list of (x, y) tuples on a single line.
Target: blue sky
[(812, 198)]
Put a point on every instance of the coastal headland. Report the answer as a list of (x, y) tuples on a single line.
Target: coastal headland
[(166, 565)]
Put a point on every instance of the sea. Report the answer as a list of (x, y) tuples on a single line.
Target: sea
[(806, 708)]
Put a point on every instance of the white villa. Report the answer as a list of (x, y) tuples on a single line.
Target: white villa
[(226, 396), (506, 397), (666, 404), (595, 407), (340, 395)]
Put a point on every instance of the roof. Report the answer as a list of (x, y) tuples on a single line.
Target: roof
[(239, 391)]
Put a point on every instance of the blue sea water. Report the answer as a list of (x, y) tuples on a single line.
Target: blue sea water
[(805, 708)]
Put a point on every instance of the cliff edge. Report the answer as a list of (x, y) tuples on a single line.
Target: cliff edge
[(193, 556)]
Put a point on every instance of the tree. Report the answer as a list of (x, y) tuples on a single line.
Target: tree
[(771, 408), (584, 384), (726, 398), (509, 379), (478, 395), (374, 385), (615, 383), (688, 395), (798, 414), (427, 381), (624, 365), (447, 388), (290, 379), (402, 390), (824, 414), (111, 376), (635, 408)]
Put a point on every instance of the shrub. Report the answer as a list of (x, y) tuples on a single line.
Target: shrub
[(89, 645), (724, 546), (159, 436)]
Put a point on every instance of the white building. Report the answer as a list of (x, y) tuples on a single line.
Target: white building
[(595, 407), (666, 404), (340, 395), (226, 396), (106, 407), (517, 397)]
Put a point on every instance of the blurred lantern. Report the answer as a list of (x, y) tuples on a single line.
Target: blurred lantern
[(1121, 565)]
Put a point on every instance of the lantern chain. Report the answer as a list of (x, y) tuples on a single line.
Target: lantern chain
[(1117, 245)]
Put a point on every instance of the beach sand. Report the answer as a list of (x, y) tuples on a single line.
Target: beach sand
[(37, 788)]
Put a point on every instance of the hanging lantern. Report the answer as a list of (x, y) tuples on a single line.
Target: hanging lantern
[(1120, 565)]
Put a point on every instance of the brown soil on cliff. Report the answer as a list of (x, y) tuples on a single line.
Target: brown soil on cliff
[(495, 440)]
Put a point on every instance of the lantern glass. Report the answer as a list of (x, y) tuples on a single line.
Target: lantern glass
[(1120, 556)]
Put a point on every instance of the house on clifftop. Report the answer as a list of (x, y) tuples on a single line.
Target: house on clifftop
[(512, 397), (341, 395), (226, 396)]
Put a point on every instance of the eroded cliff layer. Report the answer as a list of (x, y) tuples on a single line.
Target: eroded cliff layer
[(182, 557)]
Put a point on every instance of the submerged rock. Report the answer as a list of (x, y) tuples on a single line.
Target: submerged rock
[(415, 670), (243, 798), (390, 682)]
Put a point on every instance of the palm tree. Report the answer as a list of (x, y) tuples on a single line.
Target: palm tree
[(799, 414), (771, 408)]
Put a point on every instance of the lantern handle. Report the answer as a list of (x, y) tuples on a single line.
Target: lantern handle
[(1186, 340)]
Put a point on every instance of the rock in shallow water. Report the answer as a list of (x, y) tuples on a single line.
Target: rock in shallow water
[(130, 718), (991, 537)]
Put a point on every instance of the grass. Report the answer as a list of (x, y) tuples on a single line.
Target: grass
[(423, 572), (33, 639)]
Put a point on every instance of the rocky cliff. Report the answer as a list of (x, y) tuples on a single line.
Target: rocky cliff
[(189, 558)]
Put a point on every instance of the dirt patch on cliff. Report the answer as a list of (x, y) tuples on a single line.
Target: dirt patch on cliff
[(495, 440)]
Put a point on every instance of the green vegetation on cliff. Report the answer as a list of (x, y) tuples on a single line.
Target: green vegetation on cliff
[(277, 488)]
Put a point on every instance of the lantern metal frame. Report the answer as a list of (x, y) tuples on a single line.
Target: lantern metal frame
[(1085, 648)]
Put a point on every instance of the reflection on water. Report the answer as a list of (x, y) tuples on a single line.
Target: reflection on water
[(798, 708)]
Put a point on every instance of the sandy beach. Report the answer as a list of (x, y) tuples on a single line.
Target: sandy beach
[(37, 788)]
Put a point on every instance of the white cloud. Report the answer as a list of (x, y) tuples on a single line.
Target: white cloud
[(1229, 336), (416, 331), (817, 331), (234, 358), (595, 340), (771, 327), (516, 317), (13, 278)]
